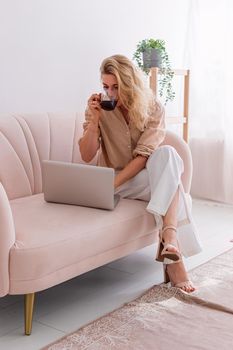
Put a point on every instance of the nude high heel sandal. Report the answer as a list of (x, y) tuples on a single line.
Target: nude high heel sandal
[(163, 248), (166, 277)]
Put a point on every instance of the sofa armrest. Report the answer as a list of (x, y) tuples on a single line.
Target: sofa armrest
[(184, 152), (7, 239)]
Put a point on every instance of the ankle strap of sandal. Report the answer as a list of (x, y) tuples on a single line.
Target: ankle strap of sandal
[(171, 227)]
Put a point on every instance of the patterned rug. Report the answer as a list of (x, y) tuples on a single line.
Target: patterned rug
[(165, 318)]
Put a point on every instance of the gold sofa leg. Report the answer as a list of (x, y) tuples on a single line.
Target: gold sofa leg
[(28, 312)]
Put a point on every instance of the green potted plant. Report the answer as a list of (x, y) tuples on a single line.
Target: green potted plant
[(152, 53)]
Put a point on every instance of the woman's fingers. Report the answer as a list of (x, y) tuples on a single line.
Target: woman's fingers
[(94, 101), (94, 97)]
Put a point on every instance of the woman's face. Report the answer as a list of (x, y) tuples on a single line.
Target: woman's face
[(110, 85)]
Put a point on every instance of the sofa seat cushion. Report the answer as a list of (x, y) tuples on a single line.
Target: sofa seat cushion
[(52, 236)]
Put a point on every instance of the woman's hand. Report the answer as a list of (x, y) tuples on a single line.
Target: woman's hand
[(116, 181), (130, 170), (94, 106), (89, 142)]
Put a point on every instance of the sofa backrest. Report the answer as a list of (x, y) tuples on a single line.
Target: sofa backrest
[(27, 139)]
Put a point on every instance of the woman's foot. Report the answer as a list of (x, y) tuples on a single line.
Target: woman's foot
[(179, 277), (169, 239), (176, 271), (168, 247)]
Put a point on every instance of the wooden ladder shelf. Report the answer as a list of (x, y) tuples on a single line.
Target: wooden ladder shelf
[(184, 118)]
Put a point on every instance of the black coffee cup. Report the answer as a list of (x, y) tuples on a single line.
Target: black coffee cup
[(107, 103)]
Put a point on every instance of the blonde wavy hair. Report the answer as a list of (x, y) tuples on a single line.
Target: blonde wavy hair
[(133, 93)]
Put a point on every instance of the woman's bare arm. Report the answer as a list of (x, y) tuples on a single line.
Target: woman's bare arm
[(89, 143), (131, 169)]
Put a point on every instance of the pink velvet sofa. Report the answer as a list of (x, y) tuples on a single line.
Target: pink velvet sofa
[(44, 244)]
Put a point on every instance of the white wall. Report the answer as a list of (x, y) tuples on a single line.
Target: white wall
[(50, 50)]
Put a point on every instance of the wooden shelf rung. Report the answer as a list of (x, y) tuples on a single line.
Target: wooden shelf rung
[(176, 120), (183, 72), (180, 71)]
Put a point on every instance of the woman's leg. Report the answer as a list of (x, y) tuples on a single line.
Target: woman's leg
[(160, 184), (176, 271), (165, 168), (168, 201)]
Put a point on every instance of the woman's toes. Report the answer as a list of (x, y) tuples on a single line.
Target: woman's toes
[(192, 288), (189, 288)]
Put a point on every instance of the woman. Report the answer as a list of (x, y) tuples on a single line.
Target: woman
[(130, 138)]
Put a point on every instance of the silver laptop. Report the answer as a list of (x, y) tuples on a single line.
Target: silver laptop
[(78, 184)]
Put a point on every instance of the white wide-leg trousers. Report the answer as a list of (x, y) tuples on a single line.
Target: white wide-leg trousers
[(157, 184)]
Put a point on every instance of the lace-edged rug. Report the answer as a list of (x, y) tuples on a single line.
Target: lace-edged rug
[(166, 318)]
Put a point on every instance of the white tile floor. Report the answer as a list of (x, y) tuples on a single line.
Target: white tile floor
[(63, 309)]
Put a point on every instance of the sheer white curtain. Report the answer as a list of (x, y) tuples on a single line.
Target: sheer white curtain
[(209, 55)]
